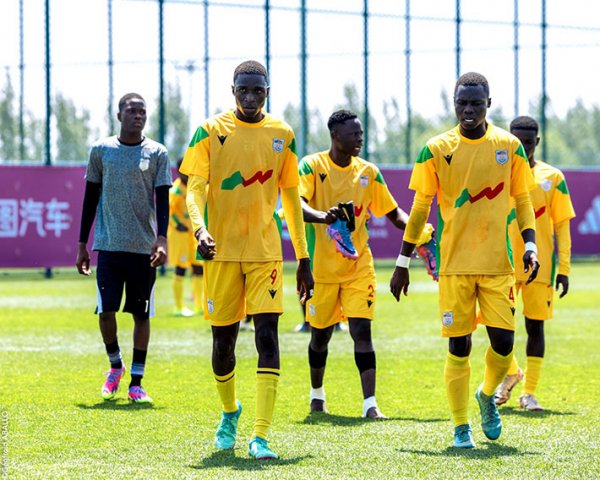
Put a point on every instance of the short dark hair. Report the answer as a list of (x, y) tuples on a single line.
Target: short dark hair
[(251, 67), (473, 79), (340, 117), (524, 123), (128, 96)]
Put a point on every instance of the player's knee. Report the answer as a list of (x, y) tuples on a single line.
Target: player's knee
[(317, 359), (535, 328), (460, 346), (365, 361), (360, 330), (266, 342), (179, 271), (223, 348), (502, 342)]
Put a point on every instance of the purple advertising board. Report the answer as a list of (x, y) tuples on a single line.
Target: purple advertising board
[(40, 210)]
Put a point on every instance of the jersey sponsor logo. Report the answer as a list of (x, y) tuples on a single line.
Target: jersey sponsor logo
[(447, 318), (590, 225), (222, 139), (236, 179), (448, 158), (272, 292), (369, 303), (501, 156), (487, 192), (546, 185), (211, 306), (540, 211), (144, 164), (278, 145), (322, 176), (364, 180)]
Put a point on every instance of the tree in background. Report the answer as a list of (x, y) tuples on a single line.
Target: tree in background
[(8, 122), (177, 123), (73, 130)]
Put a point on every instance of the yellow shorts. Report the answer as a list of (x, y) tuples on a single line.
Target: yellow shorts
[(537, 300), (459, 295), (334, 302), (181, 249), (236, 289)]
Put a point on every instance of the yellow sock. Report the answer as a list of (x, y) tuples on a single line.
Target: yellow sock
[(197, 290), (226, 389), (514, 367), (496, 367), (178, 291), (457, 373), (266, 390), (532, 374)]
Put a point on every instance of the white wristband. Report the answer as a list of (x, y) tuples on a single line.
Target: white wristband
[(530, 247), (402, 261)]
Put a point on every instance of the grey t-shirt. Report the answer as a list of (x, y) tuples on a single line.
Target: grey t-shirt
[(125, 219)]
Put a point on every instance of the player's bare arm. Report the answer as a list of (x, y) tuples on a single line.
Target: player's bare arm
[(158, 256), (398, 217), (304, 280), (530, 260), (400, 278), (207, 248), (312, 215), (83, 259)]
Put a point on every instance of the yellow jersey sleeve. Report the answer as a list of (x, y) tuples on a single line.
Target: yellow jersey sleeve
[(197, 156), (423, 178), (307, 179), (382, 201), (289, 171)]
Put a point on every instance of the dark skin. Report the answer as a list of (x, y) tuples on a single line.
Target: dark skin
[(536, 342), (346, 142), (132, 117), (250, 92), (470, 106)]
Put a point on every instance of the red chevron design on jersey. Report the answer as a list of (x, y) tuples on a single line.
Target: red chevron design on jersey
[(540, 211), (488, 192), (258, 177), (357, 210)]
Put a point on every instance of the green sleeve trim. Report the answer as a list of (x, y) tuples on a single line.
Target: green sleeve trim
[(379, 178), (200, 135), (292, 146), (562, 186), (521, 152), (424, 155), (304, 168)]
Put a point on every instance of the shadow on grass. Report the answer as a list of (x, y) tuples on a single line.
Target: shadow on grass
[(111, 405), (520, 412), (320, 418), (227, 458), (491, 450)]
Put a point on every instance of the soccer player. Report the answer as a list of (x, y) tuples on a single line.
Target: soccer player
[(553, 212), (342, 261), (475, 169), (127, 190), (246, 156), (182, 247)]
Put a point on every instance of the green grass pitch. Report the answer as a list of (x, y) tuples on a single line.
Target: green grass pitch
[(55, 424)]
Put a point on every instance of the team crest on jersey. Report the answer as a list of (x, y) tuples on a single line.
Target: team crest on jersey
[(501, 156), (278, 145), (447, 318), (364, 180), (144, 164), (211, 306), (546, 185)]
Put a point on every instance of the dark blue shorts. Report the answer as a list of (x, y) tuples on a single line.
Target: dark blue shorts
[(132, 271)]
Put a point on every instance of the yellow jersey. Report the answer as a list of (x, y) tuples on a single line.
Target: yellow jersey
[(474, 181), (552, 205), (324, 184)]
